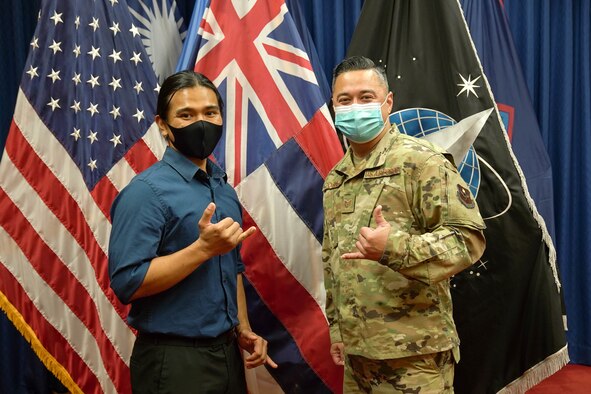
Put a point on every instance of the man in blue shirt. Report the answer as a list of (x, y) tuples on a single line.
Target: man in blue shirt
[(174, 254)]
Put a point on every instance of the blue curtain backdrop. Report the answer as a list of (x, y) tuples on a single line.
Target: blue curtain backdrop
[(553, 41), (18, 20)]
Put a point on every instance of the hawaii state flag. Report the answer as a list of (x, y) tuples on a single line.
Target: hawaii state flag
[(506, 306), (82, 128), (278, 145)]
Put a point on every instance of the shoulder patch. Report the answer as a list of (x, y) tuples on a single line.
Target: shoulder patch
[(465, 197)]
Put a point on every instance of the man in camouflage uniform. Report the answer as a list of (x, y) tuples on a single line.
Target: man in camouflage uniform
[(399, 222)]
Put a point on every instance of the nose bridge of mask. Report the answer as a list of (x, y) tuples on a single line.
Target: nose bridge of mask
[(359, 107), (360, 122)]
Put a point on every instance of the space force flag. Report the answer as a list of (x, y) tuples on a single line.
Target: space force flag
[(507, 305), (492, 38), (278, 145), (81, 130)]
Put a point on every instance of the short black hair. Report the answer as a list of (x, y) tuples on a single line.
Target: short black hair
[(182, 80), (355, 63)]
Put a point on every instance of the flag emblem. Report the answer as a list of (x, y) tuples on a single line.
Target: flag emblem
[(422, 122)]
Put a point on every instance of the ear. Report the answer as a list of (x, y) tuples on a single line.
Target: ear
[(163, 126), (390, 101)]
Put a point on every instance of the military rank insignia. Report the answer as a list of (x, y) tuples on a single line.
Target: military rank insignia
[(348, 203), (465, 197)]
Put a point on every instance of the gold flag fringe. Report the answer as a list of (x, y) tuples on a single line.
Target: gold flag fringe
[(46, 358)]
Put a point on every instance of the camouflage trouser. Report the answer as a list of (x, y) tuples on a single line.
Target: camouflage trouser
[(429, 373)]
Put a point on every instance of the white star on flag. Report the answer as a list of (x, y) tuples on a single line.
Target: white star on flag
[(76, 134), (94, 52), (116, 55), (93, 81), (116, 140), (54, 103), (57, 18), (76, 106), (94, 24), (93, 109), (55, 47), (468, 85), (115, 112), (76, 79), (115, 28), (33, 71)]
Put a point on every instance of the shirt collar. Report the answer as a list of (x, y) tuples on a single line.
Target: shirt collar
[(376, 158), (187, 169)]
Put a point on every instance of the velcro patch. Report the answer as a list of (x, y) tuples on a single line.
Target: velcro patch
[(348, 203), (381, 172), (332, 185)]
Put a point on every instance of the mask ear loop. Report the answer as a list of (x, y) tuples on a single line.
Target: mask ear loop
[(386, 99)]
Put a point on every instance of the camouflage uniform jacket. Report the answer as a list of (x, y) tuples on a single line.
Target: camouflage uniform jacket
[(400, 306)]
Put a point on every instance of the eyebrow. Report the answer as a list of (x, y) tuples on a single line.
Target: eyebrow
[(207, 108), (361, 92)]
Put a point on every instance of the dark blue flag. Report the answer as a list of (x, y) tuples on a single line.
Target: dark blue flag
[(492, 37)]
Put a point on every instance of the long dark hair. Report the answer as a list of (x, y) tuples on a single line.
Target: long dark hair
[(182, 80)]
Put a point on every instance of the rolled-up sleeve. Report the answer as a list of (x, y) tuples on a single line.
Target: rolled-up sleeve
[(453, 239), (138, 220)]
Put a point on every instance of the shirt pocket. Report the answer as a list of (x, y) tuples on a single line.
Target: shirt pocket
[(396, 207)]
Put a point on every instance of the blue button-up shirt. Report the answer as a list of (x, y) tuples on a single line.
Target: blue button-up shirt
[(157, 214)]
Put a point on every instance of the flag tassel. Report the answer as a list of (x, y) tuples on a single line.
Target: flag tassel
[(46, 358), (542, 370)]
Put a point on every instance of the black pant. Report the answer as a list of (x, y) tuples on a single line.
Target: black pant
[(164, 364)]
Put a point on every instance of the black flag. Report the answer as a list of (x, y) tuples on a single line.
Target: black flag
[(507, 305)]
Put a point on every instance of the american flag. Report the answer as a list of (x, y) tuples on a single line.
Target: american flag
[(278, 145), (82, 128)]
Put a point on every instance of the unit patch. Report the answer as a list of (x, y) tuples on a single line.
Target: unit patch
[(465, 197)]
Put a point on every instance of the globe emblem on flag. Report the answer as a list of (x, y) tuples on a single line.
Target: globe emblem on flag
[(420, 122)]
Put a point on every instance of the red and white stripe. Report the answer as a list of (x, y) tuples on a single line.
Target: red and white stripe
[(54, 235)]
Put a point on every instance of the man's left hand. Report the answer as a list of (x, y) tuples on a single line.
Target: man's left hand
[(257, 347), (371, 242)]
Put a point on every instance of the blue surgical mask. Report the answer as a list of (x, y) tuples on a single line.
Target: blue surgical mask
[(360, 123)]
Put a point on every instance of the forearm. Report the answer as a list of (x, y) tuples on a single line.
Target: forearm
[(331, 315), (434, 256), (243, 323), (166, 271)]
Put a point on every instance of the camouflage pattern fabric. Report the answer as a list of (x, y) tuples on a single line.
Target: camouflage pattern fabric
[(425, 374), (400, 306)]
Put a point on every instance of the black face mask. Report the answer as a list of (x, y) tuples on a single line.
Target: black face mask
[(197, 139)]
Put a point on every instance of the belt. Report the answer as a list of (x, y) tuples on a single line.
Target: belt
[(175, 340)]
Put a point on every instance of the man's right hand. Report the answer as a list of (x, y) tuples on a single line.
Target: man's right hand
[(220, 238), (337, 352)]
